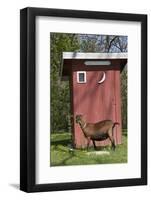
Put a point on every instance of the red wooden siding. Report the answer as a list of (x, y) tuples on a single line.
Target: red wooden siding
[(96, 101)]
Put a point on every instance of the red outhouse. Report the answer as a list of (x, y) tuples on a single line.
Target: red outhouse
[(94, 80)]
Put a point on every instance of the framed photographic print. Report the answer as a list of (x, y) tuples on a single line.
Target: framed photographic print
[(83, 99)]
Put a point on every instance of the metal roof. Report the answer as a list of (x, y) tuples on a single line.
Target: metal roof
[(79, 55)]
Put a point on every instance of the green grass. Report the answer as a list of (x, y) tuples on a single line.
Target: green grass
[(61, 154)]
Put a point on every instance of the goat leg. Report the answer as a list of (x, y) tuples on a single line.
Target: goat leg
[(110, 133), (112, 143), (94, 145), (88, 143)]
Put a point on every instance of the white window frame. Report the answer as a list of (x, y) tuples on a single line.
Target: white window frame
[(83, 72)]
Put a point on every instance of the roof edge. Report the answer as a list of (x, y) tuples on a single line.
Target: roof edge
[(79, 55)]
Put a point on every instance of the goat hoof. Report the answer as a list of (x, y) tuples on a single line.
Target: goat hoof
[(113, 148)]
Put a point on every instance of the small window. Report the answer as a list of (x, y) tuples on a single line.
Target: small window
[(81, 77)]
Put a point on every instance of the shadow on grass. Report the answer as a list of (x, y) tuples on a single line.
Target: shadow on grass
[(64, 161), (64, 142), (71, 155), (63, 146), (63, 154)]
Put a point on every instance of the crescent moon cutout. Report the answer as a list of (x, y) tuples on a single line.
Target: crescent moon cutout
[(103, 78)]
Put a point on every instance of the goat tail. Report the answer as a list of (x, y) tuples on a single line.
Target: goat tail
[(115, 123)]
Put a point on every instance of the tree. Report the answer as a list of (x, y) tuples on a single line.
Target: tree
[(60, 96), (124, 97)]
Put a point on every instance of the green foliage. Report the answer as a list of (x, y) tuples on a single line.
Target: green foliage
[(60, 97), (124, 97), (61, 154)]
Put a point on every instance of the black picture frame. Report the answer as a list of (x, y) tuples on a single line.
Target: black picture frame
[(28, 98)]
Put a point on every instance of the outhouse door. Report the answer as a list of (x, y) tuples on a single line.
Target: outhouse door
[(96, 100)]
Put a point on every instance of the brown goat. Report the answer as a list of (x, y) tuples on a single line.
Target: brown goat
[(97, 131)]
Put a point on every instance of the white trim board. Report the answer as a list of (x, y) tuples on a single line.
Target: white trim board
[(79, 55)]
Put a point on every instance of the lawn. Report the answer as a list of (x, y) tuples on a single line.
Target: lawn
[(61, 153)]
